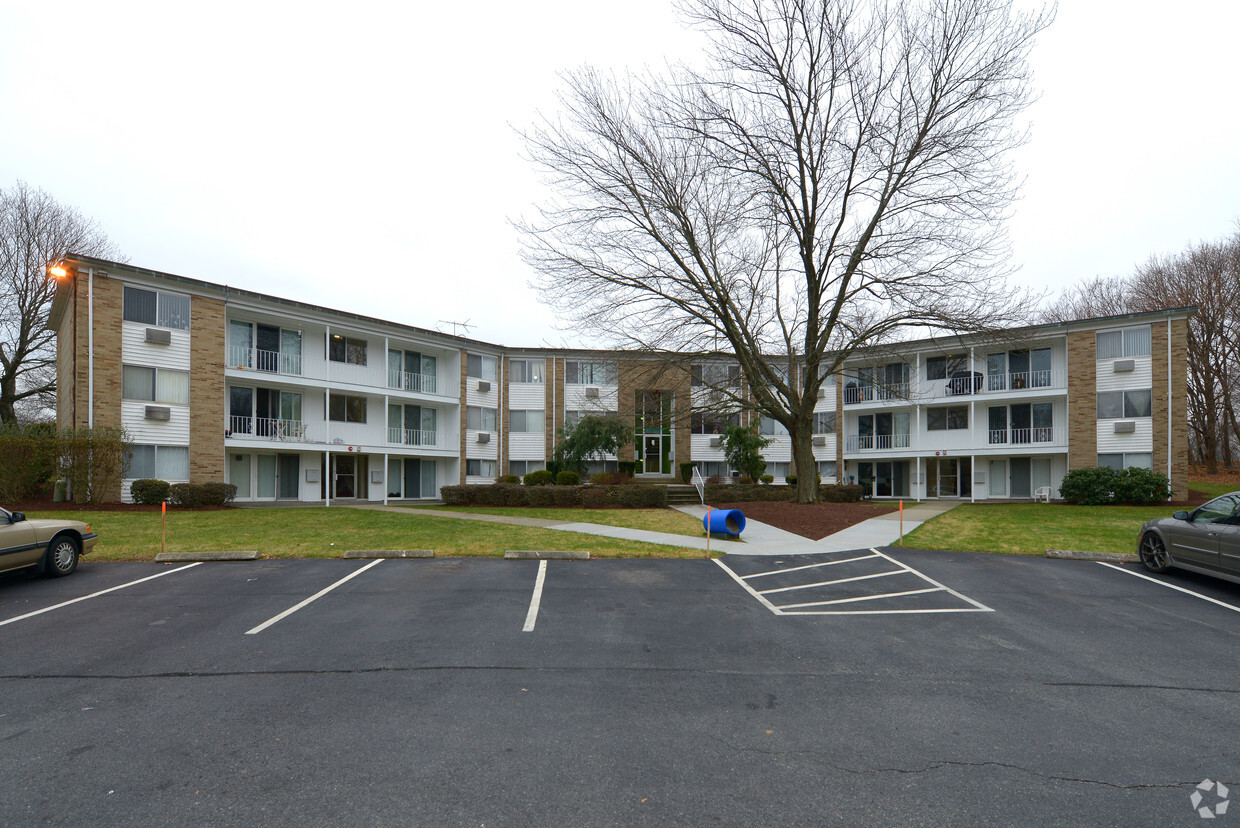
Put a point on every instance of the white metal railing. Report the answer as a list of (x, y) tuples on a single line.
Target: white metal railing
[(1042, 435), (267, 428), (1021, 380), (876, 442), (869, 393), (272, 361), (425, 383), (413, 437)]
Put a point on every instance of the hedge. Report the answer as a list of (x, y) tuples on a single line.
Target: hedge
[(149, 492), (202, 494), (744, 492), (1105, 486), (499, 494), (541, 477)]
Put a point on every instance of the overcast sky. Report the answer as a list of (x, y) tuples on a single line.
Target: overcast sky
[(363, 155)]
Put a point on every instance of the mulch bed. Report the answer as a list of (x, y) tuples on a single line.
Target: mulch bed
[(809, 520), (51, 506)]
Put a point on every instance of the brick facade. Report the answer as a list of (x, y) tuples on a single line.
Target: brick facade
[(1082, 400), (1174, 425), (207, 394)]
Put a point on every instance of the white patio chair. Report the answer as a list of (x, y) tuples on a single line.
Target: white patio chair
[(1043, 493)]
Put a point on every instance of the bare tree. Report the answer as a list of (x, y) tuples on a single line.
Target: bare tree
[(1205, 276), (34, 230), (835, 175)]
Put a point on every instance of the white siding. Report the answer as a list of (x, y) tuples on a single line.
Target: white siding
[(481, 451), (526, 396), (1140, 440), (135, 350), (575, 398), (171, 432), (1111, 380), (526, 447)]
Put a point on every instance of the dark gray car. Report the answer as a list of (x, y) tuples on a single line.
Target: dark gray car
[(1205, 540)]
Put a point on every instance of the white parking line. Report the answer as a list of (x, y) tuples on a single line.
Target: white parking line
[(1231, 607), (532, 615), (808, 566), (837, 581), (97, 594), (316, 596), (862, 598)]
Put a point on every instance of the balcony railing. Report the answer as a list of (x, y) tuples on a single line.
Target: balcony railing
[(412, 437), (1041, 435), (1020, 380), (854, 394), (424, 383), (876, 442), (271, 361), (267, 428)]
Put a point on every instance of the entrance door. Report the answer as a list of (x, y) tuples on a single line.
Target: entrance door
[(344, 476), (652, 450), (266, 476), (239, 474), (290, 476), (1020, 477)]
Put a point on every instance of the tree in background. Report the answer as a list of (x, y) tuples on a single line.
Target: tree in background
[(742, 446), (592, 438), (835, 175), (1206, 276), (34, 231)]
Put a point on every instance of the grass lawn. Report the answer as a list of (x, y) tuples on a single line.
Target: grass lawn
[(652, 520), (310, 533), (1213, 489), (1033, 528)]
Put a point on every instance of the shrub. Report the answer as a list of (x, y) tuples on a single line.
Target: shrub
[(610, 479), (593, 496), (767, 479), (500, 494), (745, 480), (566, 495), (840, 493), (639, 497), (1089, 486), (93, 461), (218, 494), (542, 477), (1142, 487), (686, 472), (149, 492), (458, 495), (790, 479), (27, 461), (715, 480), (508, 478), (539, 495), (567, 478), (185, 494), (628, 467), (741, 493)]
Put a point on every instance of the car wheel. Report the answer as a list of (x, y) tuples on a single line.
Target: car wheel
[(61, 557), (1153, 553)]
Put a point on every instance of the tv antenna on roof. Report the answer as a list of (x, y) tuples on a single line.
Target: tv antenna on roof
[(465, 326)]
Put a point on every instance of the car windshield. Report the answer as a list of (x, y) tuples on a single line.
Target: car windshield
[(1216, 510)]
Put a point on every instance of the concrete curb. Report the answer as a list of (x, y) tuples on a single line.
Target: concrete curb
[(545, 555), (1108, 557), (364, 554), (175, 557)]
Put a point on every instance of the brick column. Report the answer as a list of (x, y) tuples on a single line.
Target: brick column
[(207, 398), (1082, 400), (1177, 425)]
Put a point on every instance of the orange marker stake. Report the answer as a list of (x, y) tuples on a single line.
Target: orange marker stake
[(901, 521), (163, 529)]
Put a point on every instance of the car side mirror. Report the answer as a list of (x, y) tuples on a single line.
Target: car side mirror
[(1181, 515), (17, 517)]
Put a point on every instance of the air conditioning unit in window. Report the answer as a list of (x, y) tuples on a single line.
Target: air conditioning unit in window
[(822, 393), (714, 395), (157, 336), (591, 393), (158, 412), (820, 439), (1123, 365), (484, 437), (1125, 427), (716, 442), (484, 385)]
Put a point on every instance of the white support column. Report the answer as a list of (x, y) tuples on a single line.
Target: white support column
[(386, 487), (973, 481)]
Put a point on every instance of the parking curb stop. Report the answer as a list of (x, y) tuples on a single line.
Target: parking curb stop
[(371, 554), (178, 557), (545, 555), (1112, 557)]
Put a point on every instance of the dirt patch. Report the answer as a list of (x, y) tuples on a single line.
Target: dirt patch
[(809, 520)]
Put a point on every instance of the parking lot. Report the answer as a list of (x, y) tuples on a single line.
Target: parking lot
[(877, 686)]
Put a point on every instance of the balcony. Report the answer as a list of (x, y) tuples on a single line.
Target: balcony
[(422, 383), (268, 428), (876, 442), (970, 383), (854, 394), (272, 362), (1040, 436), (413, 437)]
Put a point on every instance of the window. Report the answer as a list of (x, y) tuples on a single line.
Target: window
[(943, 367), (526, 370), (412, 371), (525, 422), (594, 467), (1119, 462), (771, 427), (481, 367), (712, 422), (523, 467), (571, 417), (1126, 342), (343, 409), (715, 468), (159, 462), (154, 307), (826, 469), (155, 385), (479, 419), (716, 374), (824, 422), (480, 468), (346, 349), (1113, 405), (947, 419), (777, 469), (580, 372)]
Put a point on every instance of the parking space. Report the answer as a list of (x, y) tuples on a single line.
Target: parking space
[(438, 691)]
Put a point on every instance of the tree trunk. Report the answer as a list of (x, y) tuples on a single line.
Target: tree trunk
[(806, 465)]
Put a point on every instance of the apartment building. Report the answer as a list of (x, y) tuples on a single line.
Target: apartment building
[(290, 401)]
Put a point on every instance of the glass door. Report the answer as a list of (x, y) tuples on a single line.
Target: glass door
[(239, 474), (997, 478), (289, 474), (344, 473), (1020, 477), (266, 477)]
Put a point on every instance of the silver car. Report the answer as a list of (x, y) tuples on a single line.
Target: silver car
[(1205, 540), (53, 546)]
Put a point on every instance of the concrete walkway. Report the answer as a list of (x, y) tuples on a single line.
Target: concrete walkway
[(757, 539)]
